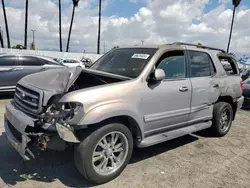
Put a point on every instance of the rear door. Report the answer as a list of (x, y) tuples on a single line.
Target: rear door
[(9, 72), (205, 86)]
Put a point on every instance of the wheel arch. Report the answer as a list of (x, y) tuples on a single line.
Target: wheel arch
[(230, 100), (115, 113)]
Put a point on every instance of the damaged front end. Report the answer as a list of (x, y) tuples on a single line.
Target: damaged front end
[(51, 130), (29, 124), (37, 117)]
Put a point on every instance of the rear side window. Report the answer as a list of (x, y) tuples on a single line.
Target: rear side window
[(8, 60), (30, 61), (201, 64), (228, 65)]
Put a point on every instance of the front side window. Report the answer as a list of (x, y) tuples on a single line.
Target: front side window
[(201, 64), (173, 64), (7, 60), (128, 62)]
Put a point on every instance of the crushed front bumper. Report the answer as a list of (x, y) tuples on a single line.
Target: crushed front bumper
[(15, 123)]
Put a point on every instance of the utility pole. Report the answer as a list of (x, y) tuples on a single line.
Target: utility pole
[(1, 38), (235, 4), (231, 30), (60, 26), (142, 41), (33, 33), (99, 28)]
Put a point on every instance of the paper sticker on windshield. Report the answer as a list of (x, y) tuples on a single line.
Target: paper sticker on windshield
[(141, 56)]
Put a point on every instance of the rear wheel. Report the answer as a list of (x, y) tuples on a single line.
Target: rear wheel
[(222, 118), (104, 154)]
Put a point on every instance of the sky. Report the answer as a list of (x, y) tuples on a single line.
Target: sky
[(129, 22)]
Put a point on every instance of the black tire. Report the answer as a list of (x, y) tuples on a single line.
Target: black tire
[(219, 108), (84, 151)]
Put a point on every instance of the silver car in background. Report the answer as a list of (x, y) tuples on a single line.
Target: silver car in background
[(13, 67)]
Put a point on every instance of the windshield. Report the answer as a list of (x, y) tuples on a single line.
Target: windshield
[(127, 62)]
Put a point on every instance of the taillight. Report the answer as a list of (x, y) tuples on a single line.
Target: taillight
[(242, 85)]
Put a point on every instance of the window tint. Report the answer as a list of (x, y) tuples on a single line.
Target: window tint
[(201, 64), (30, 61), (7, 60), (173, 64)]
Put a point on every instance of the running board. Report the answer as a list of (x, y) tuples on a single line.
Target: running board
[(162, 137)]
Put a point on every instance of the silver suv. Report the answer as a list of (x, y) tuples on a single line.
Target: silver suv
[(130, 97)]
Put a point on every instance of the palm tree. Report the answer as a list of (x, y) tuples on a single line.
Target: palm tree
[(26, 24), (235, 4), (60, 26), (99, 27), (75, 4), (6, 24)]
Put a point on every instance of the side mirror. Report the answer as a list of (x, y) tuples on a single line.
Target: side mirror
[(159, 74)]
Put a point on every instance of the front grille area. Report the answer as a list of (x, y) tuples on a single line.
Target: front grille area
[(27, 99), (15, 132)]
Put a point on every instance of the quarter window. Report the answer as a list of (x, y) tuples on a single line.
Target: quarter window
[(228, 65), (201, 64), (173, 64)]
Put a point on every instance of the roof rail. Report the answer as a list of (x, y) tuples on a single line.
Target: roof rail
[(198, 46)]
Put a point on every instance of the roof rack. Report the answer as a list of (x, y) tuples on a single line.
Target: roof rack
[(198, 46)]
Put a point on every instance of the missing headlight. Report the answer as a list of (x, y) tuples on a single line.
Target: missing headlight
[(61, 112)]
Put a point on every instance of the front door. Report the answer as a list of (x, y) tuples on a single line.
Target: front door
[(166, 105)]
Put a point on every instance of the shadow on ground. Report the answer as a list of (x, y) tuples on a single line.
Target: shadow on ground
[(4, 96), (50, 165)]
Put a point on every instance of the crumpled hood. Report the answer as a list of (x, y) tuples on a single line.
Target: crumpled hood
[(52, 82)]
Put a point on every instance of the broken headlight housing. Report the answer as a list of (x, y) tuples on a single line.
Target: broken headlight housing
[(68, 111), (61, 112)]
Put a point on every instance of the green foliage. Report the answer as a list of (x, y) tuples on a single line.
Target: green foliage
[(19, 46)]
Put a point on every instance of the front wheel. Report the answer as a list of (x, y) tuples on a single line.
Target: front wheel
[(104, 154)]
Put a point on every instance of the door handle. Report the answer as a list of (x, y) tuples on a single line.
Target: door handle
[(183, 89), (216, 85), (16, 69), (44, 68)]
